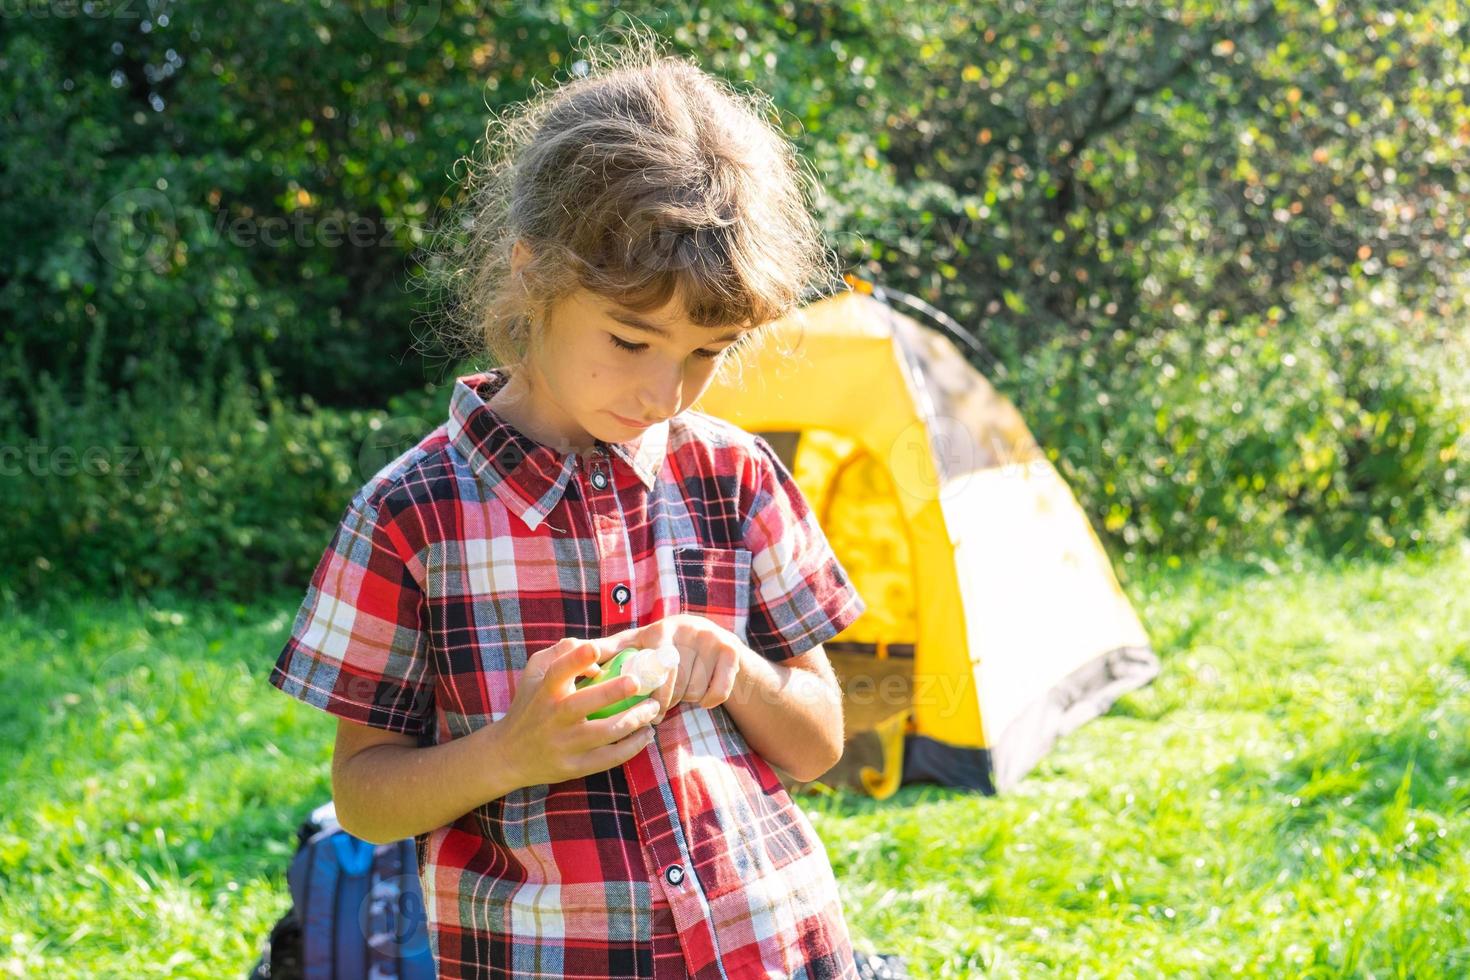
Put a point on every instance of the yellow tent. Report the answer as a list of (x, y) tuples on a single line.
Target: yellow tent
[(995, 621)]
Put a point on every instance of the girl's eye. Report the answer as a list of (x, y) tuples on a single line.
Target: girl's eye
[(622, 344)]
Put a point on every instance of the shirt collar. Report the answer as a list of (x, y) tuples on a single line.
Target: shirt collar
[(530, 477)]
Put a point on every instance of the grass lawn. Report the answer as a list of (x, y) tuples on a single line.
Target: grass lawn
[(1291, 798)]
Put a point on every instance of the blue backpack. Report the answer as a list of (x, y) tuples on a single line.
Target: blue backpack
[(357, 910)]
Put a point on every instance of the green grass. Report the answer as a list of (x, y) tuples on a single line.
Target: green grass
[(1291, 798)]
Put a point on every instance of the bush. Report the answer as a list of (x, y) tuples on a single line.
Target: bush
[(1342, 429), (214, 486)]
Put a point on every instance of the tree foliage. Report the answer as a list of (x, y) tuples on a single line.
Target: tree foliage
[(1214, 249)]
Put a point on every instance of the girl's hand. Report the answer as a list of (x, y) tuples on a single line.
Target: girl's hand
[(547, 732), (709, 659)]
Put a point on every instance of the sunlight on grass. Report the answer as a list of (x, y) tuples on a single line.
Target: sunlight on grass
[(1291, 797)]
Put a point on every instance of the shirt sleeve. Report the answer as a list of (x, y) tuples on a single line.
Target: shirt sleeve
[(800, 594), (359, 646)]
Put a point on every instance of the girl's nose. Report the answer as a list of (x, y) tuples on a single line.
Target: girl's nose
[(661, 395)]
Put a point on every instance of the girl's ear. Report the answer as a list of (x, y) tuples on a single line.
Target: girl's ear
[(519, 256)]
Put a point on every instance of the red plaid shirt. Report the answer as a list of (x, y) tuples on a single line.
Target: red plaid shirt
[(480, 546)]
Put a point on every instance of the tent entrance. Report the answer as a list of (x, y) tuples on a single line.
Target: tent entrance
[(873, 658)]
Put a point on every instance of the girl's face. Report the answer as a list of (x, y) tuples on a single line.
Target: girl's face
[(605, 372)]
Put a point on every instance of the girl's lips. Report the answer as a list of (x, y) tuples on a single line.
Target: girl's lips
[(629, 422)]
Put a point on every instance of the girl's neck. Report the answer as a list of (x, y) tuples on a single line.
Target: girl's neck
[(525, 405)]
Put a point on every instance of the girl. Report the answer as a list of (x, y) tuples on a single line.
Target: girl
[(633, 231)]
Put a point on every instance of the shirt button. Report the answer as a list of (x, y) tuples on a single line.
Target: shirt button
[(675, 875), (621, 595), (599, 479)]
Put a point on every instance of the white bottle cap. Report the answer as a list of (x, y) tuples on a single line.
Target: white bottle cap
[(651, 667)]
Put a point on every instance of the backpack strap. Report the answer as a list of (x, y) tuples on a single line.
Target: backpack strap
[(332, 879), (355, 857)]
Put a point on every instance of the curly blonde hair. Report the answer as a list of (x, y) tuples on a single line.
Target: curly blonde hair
[(641, 178)]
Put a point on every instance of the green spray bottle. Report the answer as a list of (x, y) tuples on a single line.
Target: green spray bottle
[(651, 666)]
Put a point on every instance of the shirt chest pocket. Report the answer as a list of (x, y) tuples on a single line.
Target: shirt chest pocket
[(715, 583)]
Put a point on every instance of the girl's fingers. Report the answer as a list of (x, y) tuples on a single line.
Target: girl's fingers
[(610, 646), (653, 635), (664, 696), (721, 684), (616, 753), (581, 703), (603, 731), (570, 664), (698, 680)]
